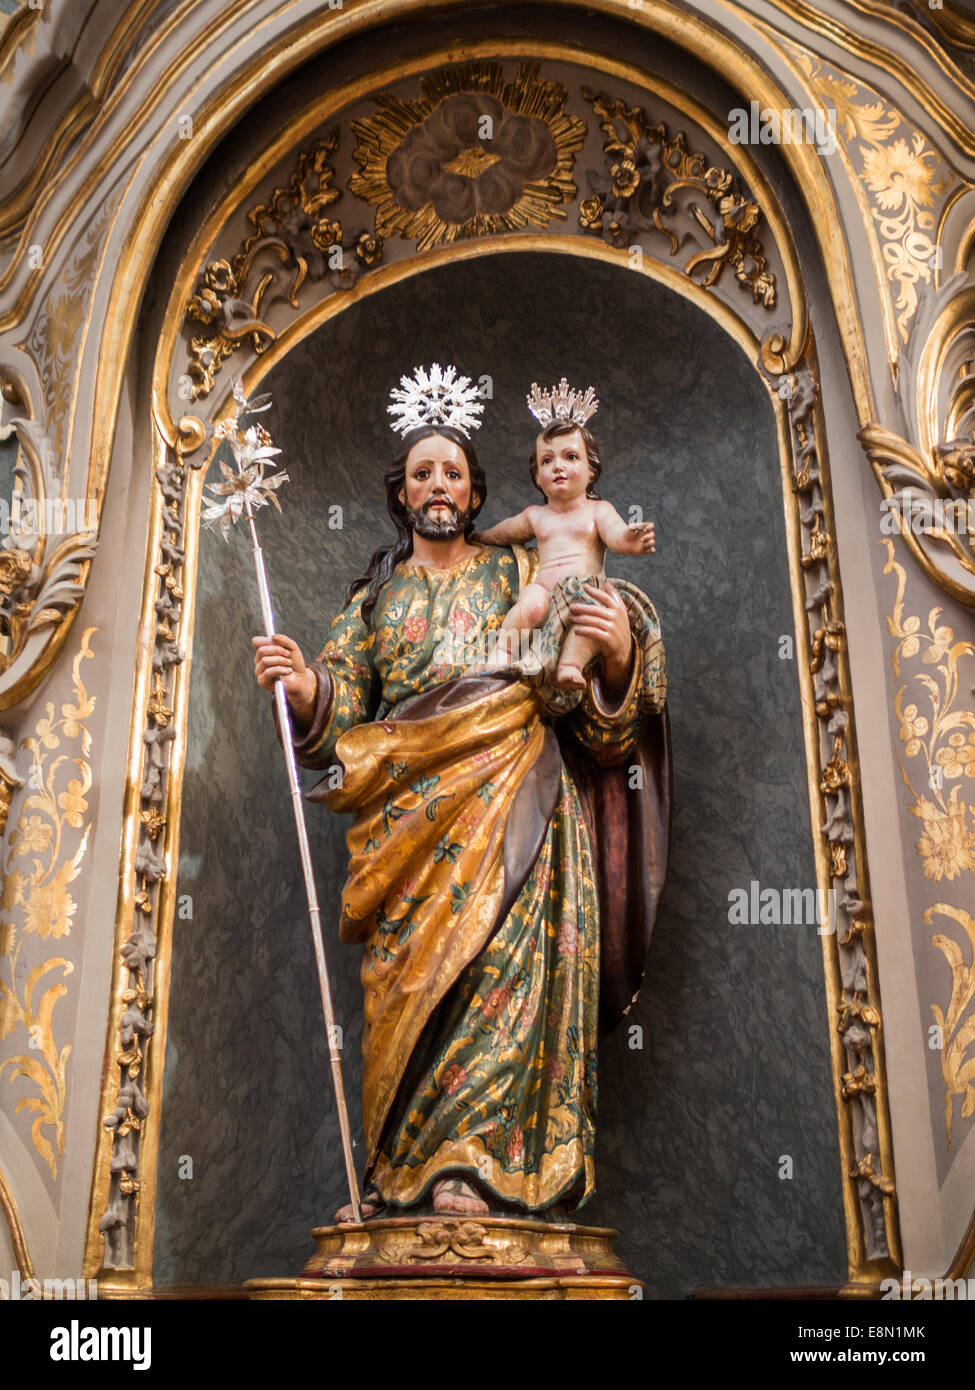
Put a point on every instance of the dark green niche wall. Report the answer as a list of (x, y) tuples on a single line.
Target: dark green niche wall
[(721, 1070)]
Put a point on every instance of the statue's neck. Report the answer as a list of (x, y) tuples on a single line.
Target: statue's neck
[(441, 555)]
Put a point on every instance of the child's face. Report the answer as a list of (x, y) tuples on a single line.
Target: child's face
[(562, 467)]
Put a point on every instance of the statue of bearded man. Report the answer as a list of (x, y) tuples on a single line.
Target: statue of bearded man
[(505, 863)]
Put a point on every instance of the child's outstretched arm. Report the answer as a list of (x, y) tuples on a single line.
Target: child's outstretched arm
[(513, 530), (639, 539)]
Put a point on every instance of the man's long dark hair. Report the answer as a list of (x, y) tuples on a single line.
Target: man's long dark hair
[(387, 557)]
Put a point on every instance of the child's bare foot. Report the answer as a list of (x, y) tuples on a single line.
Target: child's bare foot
[(568, 677)]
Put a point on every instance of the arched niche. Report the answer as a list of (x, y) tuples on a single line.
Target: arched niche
[(126, 1176), (725, 1057)]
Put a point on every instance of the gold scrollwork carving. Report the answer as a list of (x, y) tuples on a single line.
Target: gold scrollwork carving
[(36, 904), (293, 232), (474, 155), (861, 1089), (466, 1240), (135, 1024), (928, 478), (45, 554), (652, 176)]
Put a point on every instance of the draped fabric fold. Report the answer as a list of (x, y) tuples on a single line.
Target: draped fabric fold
[(432, 797), (505, 867)]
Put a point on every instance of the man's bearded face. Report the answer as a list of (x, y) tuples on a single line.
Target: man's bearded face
[(439, 520), (437, 491)]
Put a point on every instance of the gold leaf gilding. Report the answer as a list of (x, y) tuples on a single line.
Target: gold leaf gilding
[(902, 176), (35, 904), (943, 735)]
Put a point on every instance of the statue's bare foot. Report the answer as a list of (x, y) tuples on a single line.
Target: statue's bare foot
[(456, 1196), (369, 1205), (570, 678)]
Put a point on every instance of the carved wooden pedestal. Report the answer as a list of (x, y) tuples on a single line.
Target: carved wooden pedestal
[(457, 1257)]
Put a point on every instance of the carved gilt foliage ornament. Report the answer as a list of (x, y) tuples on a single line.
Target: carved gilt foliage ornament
[(295, 239), (474, 155), (654, 183), (45, 853), (44, 557), (857, 1011), (928, 477), (135, 1021)]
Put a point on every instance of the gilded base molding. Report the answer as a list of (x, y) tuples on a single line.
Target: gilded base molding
[(574, 1288), (438, 1256)]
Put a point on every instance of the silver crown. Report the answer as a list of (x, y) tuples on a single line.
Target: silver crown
[(562, 403), (438, 398)]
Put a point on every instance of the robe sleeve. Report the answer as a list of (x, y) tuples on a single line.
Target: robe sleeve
[(347, 686), (621, 761)]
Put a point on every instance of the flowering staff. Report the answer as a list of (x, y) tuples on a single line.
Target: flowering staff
[(244, 490)]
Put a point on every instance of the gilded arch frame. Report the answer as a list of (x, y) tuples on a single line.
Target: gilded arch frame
[(800, 436)]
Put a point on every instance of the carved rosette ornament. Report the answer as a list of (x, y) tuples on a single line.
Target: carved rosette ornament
[(474, 155), (857, 1014), (295, 239), (653, 183)]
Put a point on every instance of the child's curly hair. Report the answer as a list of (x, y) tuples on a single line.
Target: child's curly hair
[(554, 431)]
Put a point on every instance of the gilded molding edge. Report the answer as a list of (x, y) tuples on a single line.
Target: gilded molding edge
[(133, 1023), (16, 1228), (885, 60), (951, 29), (43, 578), (16, 207), (850, 951)]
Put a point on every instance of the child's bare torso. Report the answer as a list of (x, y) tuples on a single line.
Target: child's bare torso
[(568, 543)]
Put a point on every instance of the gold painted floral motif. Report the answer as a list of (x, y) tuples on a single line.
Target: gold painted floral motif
[(903, 176), (54, 341), (957, 1031), (44, 857), (942, 734)]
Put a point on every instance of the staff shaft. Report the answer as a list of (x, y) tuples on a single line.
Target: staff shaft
[(284, 723)]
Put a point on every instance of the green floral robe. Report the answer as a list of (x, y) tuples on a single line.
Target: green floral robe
[(502, 1086)]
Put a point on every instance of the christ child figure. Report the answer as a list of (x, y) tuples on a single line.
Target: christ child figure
[(573, 529)]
